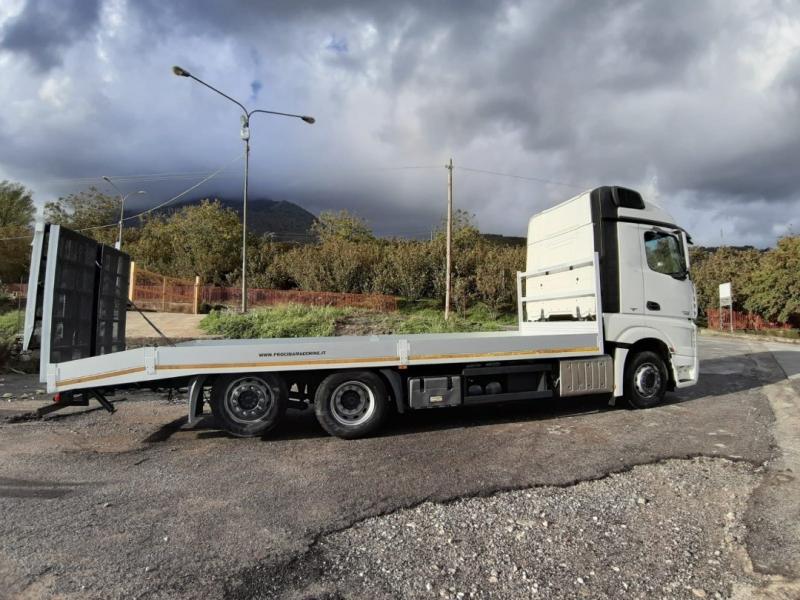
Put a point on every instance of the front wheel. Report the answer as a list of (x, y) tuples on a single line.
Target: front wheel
[(646, 380), (352, 404), (249, 405)]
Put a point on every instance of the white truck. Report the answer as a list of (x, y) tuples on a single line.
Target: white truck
[(606, 306)]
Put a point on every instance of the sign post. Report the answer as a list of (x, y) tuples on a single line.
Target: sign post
[(725, 299)]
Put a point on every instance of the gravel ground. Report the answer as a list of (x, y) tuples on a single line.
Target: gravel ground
[(134, 504), (670, 530)]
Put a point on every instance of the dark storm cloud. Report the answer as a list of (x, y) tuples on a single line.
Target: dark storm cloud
[(44, 29), (700, 97)]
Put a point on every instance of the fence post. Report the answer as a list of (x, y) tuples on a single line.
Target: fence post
[(163, 294), (196, 304), (132, 282)]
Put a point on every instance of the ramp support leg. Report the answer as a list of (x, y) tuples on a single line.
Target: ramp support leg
[(66, 399), (102, 400)]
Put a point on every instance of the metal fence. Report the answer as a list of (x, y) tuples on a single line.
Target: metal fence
[(152, 291), (741, 320), (229, 296), (18, 290)]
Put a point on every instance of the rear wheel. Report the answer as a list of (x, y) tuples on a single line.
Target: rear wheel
[(249, 405), (351, 405), (646, 380)]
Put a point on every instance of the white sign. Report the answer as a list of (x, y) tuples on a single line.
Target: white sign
[(725, 294)]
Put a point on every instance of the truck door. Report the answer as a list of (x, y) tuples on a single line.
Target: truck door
[(668, 291)]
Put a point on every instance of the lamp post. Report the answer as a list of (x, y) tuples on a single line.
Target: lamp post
[(122, 198), (245, 135)]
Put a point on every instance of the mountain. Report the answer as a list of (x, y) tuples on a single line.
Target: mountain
[(285, 220), (504, 240)]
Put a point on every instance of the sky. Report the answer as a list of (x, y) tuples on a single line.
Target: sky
[(695, 104)]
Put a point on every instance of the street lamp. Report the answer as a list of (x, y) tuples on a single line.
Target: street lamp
[(122, 199), (245, 135)]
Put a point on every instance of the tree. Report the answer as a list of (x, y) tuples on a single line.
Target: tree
[(336, 265), (344, 259), (91, 210), (16, 215), (711, 268), (265, 265), (203, 239), (16, 205), (496, 276), (467, 248), (341, 225), (774, 289), (405, 270)]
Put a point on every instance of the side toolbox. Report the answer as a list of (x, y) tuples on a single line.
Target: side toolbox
[(433, 392)]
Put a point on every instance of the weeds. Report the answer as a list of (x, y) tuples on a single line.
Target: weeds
[(293, 320)]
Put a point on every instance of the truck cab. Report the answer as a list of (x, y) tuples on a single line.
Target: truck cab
[(648, 300)]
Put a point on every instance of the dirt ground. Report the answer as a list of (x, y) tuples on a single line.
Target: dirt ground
[(696, 498)]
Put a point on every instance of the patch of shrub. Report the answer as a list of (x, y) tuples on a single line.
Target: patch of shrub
[(10, 325), (291, 320)]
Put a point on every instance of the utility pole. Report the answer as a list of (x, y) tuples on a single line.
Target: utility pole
[(449, 168), (122, 198), (245, 135)]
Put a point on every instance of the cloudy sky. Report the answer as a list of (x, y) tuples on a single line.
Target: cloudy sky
[(695, 103)]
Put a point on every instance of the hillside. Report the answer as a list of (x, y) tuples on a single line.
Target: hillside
[(289, 222), (286, 220)]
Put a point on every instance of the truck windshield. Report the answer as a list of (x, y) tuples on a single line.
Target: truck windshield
[(664, 253)]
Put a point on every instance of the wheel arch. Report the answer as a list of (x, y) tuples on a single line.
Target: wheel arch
[(635, 340), (394, 382)]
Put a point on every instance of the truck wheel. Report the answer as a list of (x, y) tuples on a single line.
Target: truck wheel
[(351, 405), (248, 405), (645, 380)]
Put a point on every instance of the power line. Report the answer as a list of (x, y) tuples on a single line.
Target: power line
[(400, 168), (186, 191), (514, 176), (149, 210), (144, 177), (188, 174)]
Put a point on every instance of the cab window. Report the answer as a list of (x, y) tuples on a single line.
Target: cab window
[(664, 253)]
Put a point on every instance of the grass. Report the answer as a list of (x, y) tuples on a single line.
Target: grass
[(291, 320), (427, 317), (313, 321), (789, 334), (10, 325)]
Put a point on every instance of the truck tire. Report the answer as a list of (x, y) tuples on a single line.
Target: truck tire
[(646, 380), (351, 404), (249, 405)]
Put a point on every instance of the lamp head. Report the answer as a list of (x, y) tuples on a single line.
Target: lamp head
[(107, 178), (180, 72), (307, 119)]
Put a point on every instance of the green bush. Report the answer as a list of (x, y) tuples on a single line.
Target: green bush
[(430, 319), (405, 270), (10, 325), (291, 320), (294, 320)]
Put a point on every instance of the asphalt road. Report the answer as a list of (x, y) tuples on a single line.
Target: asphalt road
[(134, 505)]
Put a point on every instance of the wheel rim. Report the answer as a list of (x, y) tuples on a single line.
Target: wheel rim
[(647, 380), (249, 400), (352, 403)]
